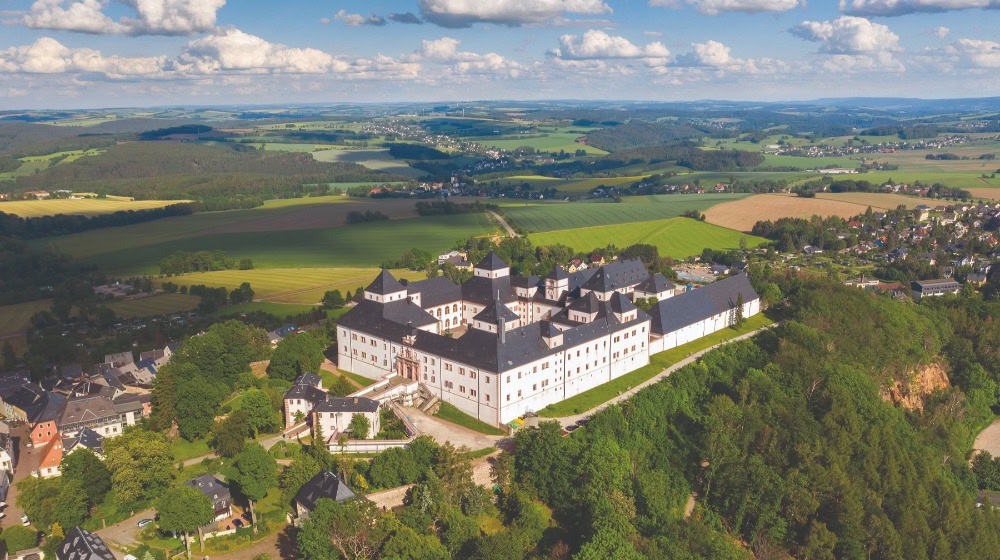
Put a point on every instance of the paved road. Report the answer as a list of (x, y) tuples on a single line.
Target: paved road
[(503, 222), (567, 420), (125, 533), (442, 431), (988, 440)]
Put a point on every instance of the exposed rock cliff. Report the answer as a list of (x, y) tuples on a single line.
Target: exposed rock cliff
[(923, 381)]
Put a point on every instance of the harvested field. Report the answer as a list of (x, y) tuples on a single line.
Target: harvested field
[(160, 304), (985, 193), (87, 207), (743, 214)]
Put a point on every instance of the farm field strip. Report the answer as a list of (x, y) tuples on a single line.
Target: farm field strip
[(359, 245), (535, 216), (542, 141), (674, 237), (159, 304), (291, 285), (378, 159), (89, 207), (15, 318), (743, 214)]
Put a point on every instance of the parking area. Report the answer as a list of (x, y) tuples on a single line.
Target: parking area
[(443, 431)]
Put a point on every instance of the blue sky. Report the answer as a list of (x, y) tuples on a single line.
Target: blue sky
[(107, 53)]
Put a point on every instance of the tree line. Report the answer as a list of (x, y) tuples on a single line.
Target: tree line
[(63, 224)]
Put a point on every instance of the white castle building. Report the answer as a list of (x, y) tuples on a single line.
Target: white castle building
[(528, 342)]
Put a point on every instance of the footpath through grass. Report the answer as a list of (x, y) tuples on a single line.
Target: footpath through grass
[(452, 414), (657, 363)]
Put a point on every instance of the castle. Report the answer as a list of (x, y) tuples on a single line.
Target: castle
[(527, 342)]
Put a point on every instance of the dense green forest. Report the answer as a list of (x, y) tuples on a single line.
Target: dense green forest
[(783, 442), (641, 133)]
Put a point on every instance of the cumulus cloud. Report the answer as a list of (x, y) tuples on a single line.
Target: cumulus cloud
[(862, 63), (358, 19), (48, 56), (445, 51), (714, 7), (903, 7), (232, 49), (848, 35), (463, 13), (405, 17), (942, 32), (979, 53), (152, 17), (718, 56), (596, 44)]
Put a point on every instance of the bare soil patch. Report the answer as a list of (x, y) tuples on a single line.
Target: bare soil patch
[(993, 193), (744, 213)]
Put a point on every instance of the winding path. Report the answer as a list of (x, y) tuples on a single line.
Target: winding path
[(503, 222)]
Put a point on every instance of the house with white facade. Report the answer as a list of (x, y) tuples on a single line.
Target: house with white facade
[(528, 342), (306, 401)]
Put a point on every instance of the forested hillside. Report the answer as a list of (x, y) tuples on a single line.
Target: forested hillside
[(787, 444), (219, 176), (641, 133)]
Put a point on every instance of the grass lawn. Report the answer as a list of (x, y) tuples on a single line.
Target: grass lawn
[(657, 362), (359, 379), (535, 216), (159, 304), (450, 413), (292, 285), (184, 449), (674, 237), (15, 318)]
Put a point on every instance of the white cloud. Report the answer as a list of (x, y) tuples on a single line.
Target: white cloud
[(358, 19), (714, 54), (152, 17), (942, 32), (862, 63), (979, 53), (445, 51), (463, 13), (48, 56), (714, 7), (848, 35), (903, 7), (596, 44), (232, 49)]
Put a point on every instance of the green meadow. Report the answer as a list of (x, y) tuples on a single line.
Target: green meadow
[(544, 141), (537, 216), (674, 237)]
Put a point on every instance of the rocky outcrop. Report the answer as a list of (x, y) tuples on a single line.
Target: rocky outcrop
[(912, 392)]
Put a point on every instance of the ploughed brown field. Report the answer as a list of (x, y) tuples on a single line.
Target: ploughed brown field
[(742, 214), (985, 192)]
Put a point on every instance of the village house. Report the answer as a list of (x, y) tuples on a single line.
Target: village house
[(8, 457), (81, 544), (528, 342), (935, 287), (217, 492), (325, 484), (307, 401)]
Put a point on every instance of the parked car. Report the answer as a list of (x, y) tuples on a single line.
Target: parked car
[(237, 523), (24, 520), (143, 522)]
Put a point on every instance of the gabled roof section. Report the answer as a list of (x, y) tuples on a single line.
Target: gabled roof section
[(587, 304), (494, 312), (621, 304), (558, 273), (492, 262), (599, 282), (655, 284), (384, 284), (346, 404), (324, 485), (697, 305), (210, 486), (435, 291), (81, 544)]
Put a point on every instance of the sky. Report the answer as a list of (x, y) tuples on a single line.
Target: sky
[(58, 54)]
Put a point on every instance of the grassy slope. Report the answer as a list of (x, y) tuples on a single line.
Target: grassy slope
[(452, 414), (657, 363), (675, 237), (547, 216), (292, 285)]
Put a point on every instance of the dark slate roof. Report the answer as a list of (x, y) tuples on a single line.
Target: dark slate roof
[(81, 544), (384, 283), (210, 487), (120, 358), (548, 330), (617, 275), (492, 262), (4, 486), (621, 304), (494, 312), (525, 282), (346, 404), (324, 485), (308, 379), (87, 438), (435, 291), (692, 306), (306, 392), (587, 304), (484, 350), (387, 320), (655, 284), (484, 290), (558, 273), (127, 402)]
